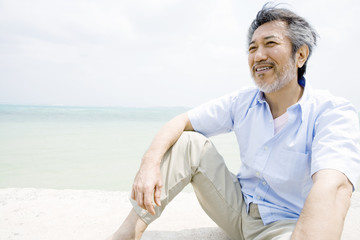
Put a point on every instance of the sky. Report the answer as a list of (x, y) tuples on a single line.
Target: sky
[(147, 53)]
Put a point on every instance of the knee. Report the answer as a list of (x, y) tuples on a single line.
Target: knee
[(194, 141), (191, 136)]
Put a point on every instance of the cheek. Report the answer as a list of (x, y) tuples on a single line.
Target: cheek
[(250, 61)]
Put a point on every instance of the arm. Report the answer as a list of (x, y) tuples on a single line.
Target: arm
[(325, 208), (147, 182)]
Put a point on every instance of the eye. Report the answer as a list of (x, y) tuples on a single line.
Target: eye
[(271, 43), (252, 49)]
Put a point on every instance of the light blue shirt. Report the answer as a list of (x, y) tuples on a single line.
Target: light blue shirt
[(322, 132)]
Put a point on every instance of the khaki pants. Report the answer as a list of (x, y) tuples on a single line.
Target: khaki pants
[(194, 159)]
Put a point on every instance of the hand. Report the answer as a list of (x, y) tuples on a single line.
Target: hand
[(147, 184)]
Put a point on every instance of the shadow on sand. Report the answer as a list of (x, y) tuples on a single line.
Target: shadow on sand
[(210, 233)]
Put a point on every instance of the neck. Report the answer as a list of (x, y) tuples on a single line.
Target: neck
[(282, 99)]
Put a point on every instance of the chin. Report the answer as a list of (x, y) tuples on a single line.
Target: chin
[(266, 86)]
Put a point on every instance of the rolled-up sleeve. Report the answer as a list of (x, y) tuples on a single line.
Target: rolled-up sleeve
[(336, 141), (214, 117)]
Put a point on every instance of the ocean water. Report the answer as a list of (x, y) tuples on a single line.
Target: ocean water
[(83, 147)]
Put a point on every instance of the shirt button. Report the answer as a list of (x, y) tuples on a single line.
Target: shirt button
[(266, 148), (258, 197), (257, 174), (264, 183)]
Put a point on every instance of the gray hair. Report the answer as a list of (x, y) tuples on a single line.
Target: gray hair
[(299, 31)]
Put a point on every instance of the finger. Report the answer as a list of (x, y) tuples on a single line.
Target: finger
[(148, 202), (140, 199), (133, 194), (157, 195)]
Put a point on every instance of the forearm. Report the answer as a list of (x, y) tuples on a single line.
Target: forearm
[(148, 183), (165, 138), (324, 212)]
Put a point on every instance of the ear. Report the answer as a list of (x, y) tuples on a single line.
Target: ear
[(302, 55)]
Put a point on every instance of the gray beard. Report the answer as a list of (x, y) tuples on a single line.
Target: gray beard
[(283, 78)]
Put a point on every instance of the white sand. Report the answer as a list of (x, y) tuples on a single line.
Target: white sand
[(82, 214)]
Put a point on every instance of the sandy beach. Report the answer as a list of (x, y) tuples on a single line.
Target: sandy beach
[(85, 214)]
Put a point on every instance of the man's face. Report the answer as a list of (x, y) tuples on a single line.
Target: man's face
[(271, 63)]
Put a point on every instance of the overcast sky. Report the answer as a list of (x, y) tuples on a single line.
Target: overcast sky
[(143, 53)]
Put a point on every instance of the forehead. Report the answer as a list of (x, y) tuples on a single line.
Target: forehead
[(276, 29)]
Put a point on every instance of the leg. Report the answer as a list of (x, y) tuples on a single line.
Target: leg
[(219, 193), (194, 159), (254, 229), (132, 228), (280, 230)]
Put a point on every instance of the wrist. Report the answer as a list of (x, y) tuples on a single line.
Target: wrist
[(151, 159)]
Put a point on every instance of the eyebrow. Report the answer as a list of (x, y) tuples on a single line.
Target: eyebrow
[(265, 38)]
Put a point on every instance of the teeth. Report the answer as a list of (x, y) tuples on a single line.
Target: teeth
[(262, 69)]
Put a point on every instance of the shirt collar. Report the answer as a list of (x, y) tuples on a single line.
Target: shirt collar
[(260, 97), (304, 100)]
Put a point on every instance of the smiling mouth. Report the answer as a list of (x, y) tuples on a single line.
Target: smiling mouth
[(260, 69)]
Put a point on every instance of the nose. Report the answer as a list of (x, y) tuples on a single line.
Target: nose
[(260, 54)]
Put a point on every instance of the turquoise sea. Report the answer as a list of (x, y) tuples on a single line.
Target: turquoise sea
[(83, 147)]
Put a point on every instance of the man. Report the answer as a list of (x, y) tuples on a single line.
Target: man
[(299, 148)]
